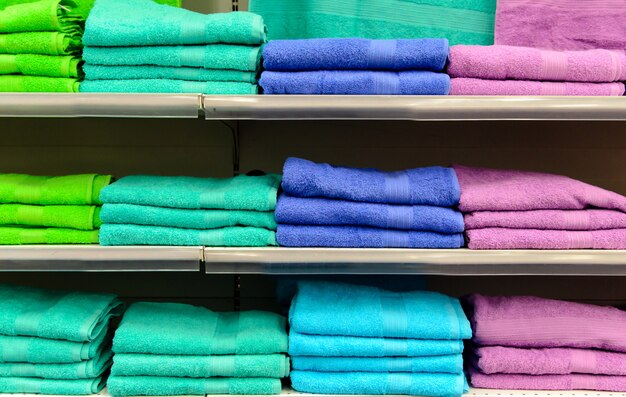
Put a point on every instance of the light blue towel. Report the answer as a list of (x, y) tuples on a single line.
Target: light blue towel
[(170, 86), (51, 386), (355, 82), (445, 364), (99, 72), (121, 386), (28, 349), (325, 308), (82, 370)]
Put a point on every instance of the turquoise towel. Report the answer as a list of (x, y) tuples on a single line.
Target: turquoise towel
[(170, 86), (216, 56), (446, 364), (324, 308), (28, 349), (83, 370), (230, 366), (111, 234), (51, 386), (183, 218), (155, 328), (73, 316), (160, 386), (144, 23), (99, 72), (257, 193)]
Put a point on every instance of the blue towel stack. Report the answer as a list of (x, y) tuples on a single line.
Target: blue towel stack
[(356, 67), (141, 46), (327, 206), (348, 339)]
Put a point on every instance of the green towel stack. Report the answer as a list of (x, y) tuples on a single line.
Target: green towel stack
[(50, 210), (168, 349), (54, 342)]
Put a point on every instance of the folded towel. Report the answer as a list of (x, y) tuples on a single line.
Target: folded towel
[(99, 72), (524, 321), (522, 63), (84, 217), (419, 384), (52, 190), (154, 328), (484, 189), (582, 220), (427, 186), (28, 349), (10, 235), (115, 23), (84, 7), (43, 15), (170, 86), (356, 346), (444, 364), (73, 316), (183, 218), (231, 366), (362, 237), (18, 83), (82, 370), (325, 308), (163, 386), (320, 211), (51, 386), (354, 54), (501, 238), (40, 65), (344, 82), (257, 193), (464, 86), (44, 43)]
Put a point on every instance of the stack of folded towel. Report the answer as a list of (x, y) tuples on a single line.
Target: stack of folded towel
[(347, 339), (506, 70), (327, 206), (541, 344), (50, 210), (160, 210), (40, 45), (54, 342), (141, 46), (529, 210), (175, 349), (355, 67)]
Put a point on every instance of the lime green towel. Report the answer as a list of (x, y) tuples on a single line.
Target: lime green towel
[(162, 386), (10, 235), (41, 16), (18, 83), (82, 370), (51, 386), (30, 349), (82, 217), (81, 189), (44, 43), (40, 65)]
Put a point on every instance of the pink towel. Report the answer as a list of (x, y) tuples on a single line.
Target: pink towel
[(556, 361), (582, 220), (523, 63), (465, 86), (484, 189), (524, 321), (512, 239)]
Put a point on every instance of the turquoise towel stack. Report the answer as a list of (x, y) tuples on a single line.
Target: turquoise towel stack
[(55, 342), (141, 46), (168, 349), (161, 210), (347, 339)]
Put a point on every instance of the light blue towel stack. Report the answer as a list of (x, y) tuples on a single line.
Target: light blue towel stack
[(328, 206), (54, 342), (141, 46), (347, 339)]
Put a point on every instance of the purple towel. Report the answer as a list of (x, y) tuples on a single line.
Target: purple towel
[(510, 239), (562, 24), (524, 321), (582, 220), (465, 86), (523, 63)]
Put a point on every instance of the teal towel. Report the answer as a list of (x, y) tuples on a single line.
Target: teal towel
[(83, 370), (144, 23), (73, 316), (445, 364), (183, 218), (160, 386), (155, 328), (170, 86), (99, 72), (230, 366), (51, 386), (216, 56)]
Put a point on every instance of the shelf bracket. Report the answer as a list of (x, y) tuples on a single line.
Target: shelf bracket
[(235, 4)]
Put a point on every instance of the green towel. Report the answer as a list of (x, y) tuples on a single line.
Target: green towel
[(51, 386), (82, 370), (41, 16), (43, 43), (12, 235), (30, 349), (156, 328), (17, 83), (162, 386), (40, 65), (73, 316), (52, 190), (83, 217), (99, 72)]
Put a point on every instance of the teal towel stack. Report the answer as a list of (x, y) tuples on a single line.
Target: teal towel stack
[(54, 342), (168, 349), (347, 339), (141, 46), (162, 210)]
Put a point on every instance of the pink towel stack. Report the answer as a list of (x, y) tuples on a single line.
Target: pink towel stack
[(529, 343), (506, 209)]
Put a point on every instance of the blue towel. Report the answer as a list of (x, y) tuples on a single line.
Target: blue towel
[(355, 54), (436, 186), (99, 72), (170, 86), (325, 308), (452, 364), (358, 82), (361, 237), (435, 385), (321, 211)]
